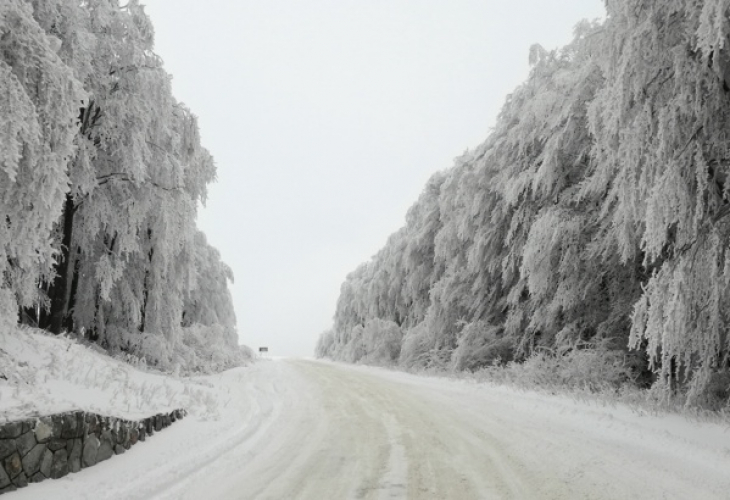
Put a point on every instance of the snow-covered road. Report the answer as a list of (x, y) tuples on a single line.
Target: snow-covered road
[(304, 429)]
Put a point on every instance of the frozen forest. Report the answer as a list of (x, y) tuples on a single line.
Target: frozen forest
[(590, 232), (101, 173), (567, 281)]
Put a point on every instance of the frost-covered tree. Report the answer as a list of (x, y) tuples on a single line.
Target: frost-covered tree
[(660, 127), (594, 216), (37, 110), (209, 301), (572, 287), (135, 181), (101, 173)]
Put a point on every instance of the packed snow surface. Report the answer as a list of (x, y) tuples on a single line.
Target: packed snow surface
[(289, 429)]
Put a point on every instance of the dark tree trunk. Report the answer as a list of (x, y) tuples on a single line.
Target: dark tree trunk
[(146, 285), (60, 290)]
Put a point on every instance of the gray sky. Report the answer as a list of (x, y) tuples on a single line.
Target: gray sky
[(326, 118)]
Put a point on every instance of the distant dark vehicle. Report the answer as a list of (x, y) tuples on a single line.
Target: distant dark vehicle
[(263, 349)]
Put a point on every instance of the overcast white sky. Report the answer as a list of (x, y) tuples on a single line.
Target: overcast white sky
[(326, 118)]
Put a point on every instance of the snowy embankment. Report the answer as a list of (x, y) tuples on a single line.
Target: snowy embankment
[(303, 429), (43, 374)]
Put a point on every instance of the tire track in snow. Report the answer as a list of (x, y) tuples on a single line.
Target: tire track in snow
[(342, 432), (436, 457), (318, 430)]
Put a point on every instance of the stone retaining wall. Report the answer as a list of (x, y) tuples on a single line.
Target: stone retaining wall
[(50, 447)]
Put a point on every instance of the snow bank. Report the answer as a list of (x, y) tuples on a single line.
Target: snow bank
[(41, 374)]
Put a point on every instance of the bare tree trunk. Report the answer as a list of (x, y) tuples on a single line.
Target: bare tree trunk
[(146, 284), (60, 289)]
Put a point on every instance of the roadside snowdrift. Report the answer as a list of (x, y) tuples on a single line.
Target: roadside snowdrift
[(42, 374)]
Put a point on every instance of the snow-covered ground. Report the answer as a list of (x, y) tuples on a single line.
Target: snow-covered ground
[(287, 429), (41, 374)]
